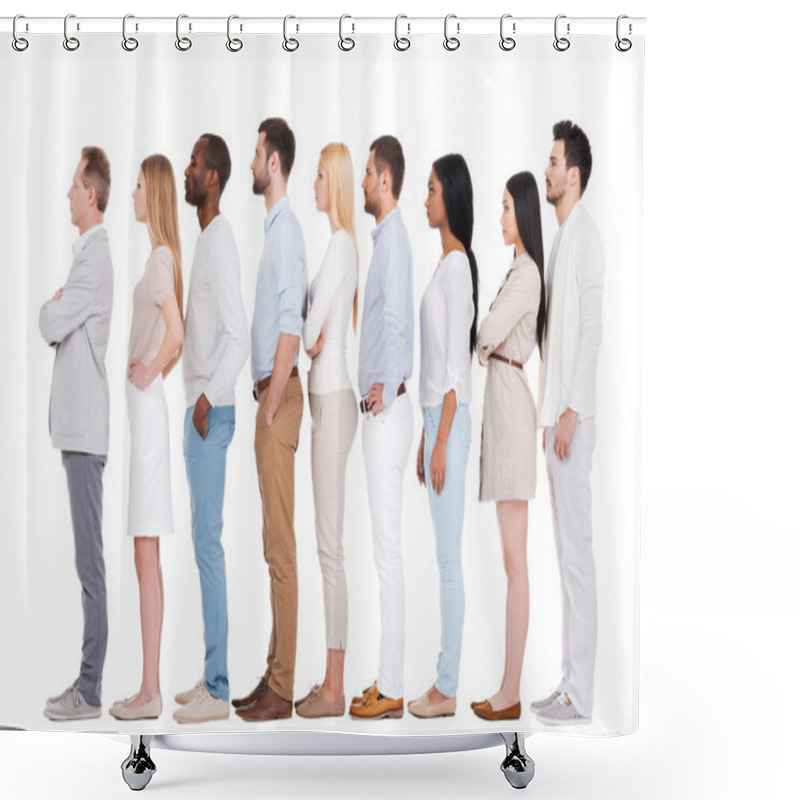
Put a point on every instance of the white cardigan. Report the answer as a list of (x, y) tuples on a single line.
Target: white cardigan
[(574, 288)]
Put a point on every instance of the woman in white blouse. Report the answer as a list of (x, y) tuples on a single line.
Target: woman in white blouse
[(154, 348), (508, 335), (333, 303), (448, 315)]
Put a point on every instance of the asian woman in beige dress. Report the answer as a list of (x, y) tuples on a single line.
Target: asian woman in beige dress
[(154, 347), (507, 336)]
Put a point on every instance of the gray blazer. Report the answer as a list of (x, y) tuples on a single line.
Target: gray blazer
[(77, 325)]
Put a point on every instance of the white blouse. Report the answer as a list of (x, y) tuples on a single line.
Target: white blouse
[(331, 304), (445, 320)]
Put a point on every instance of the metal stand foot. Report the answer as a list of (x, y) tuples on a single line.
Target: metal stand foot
[(138, 768), (517, 766)]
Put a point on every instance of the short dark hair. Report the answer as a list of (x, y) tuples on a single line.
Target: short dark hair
[(218, 158), (280, 140), (389, 155), (97, 173), (577, 150)]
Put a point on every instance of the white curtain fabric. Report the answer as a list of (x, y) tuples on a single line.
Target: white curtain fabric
[(497, 109)]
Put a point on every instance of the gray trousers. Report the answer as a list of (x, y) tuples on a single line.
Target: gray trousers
[(85, 484)]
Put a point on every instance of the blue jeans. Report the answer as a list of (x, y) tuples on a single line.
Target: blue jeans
[(205, 469), (447, 511)]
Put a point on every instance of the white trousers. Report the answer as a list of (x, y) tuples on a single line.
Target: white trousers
[(386, 440), (571, 501)]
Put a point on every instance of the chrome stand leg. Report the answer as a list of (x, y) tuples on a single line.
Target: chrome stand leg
[(138, 768), (517, 766)]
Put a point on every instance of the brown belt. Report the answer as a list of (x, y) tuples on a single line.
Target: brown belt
[(264, 382), (505, 360), (363, 404)]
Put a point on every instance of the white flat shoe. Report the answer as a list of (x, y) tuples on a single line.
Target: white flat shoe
[(150, 710)]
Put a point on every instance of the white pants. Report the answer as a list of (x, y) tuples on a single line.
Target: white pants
[(571, 501), (386, 439)]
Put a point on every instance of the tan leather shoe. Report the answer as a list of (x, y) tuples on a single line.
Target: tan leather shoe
[(256, 694), (202, 708), (485, 711), (423, 708), (374, 705), (268, 707), (314, 705), (182, 698)]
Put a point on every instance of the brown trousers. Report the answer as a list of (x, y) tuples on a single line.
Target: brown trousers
[(275, 447)]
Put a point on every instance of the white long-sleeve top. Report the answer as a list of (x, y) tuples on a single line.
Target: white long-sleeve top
[(445, 319), (217, 341), (331, 304), (574, 288)]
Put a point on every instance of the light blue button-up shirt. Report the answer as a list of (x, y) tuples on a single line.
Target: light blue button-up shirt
[(386, 351), (281, 288)]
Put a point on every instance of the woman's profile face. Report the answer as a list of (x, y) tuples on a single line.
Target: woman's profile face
[(322, 194), (508, 219), (434, 202), (140, 199)]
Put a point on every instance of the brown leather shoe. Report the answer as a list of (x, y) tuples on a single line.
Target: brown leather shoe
[(256, 694), (268, 707), (485, 711), (374, 705)]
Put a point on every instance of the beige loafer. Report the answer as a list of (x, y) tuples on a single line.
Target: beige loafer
[(423, 708)]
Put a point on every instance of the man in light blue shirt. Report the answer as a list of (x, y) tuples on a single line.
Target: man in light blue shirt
[(385, 362), (278, 316)]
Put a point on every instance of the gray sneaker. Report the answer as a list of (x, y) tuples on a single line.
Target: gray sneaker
[(71, 705), (54, 701), (562, 712), (538, 705)]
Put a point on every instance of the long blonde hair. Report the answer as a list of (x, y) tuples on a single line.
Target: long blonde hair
[(161, 197), (336, 159)]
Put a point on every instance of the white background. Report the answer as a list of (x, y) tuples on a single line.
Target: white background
[(719, 614)]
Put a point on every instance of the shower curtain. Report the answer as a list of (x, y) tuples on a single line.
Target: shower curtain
[(496, 108)]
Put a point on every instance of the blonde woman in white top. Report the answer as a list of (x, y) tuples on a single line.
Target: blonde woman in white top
[(333, 307), (447, 340)]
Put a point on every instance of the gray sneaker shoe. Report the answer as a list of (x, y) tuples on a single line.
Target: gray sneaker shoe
[(562, 712), (538, 705), (54, 701), (70, 705)]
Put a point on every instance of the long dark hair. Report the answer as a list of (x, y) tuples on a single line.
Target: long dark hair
[(525, 194), (453, 174)]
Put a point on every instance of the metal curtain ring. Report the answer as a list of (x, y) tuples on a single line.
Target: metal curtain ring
[(183, 43), (401, 43), (623, 45), (19, 43), (346, 43), (129, 43), (289, 44), (233, 44), (451, 42), (506, 42), (71, 43), (561, 43)]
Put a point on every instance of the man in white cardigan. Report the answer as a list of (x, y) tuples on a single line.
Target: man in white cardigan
[(574, 289)]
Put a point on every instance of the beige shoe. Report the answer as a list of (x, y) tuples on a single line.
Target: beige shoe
[(203, 708), (423, 708), (182, 698), (314, 705), (150, 710)]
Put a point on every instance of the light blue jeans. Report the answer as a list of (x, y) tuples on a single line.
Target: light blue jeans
[(447, 511), (205, 469)]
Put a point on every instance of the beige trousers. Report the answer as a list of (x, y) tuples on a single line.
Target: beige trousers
[(275, 447), (334, 418)]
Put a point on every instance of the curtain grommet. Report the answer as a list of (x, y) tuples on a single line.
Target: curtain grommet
[(71, 43), (507, 43), (19, 43), (401, 43), (129, 43), (233, 44), (183, 43), (346, 43), (451, 43), (561, 43), (289, 44)]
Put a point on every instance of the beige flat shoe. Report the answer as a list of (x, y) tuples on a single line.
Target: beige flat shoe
[(150, 710), (314, 705), (423, 708)]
